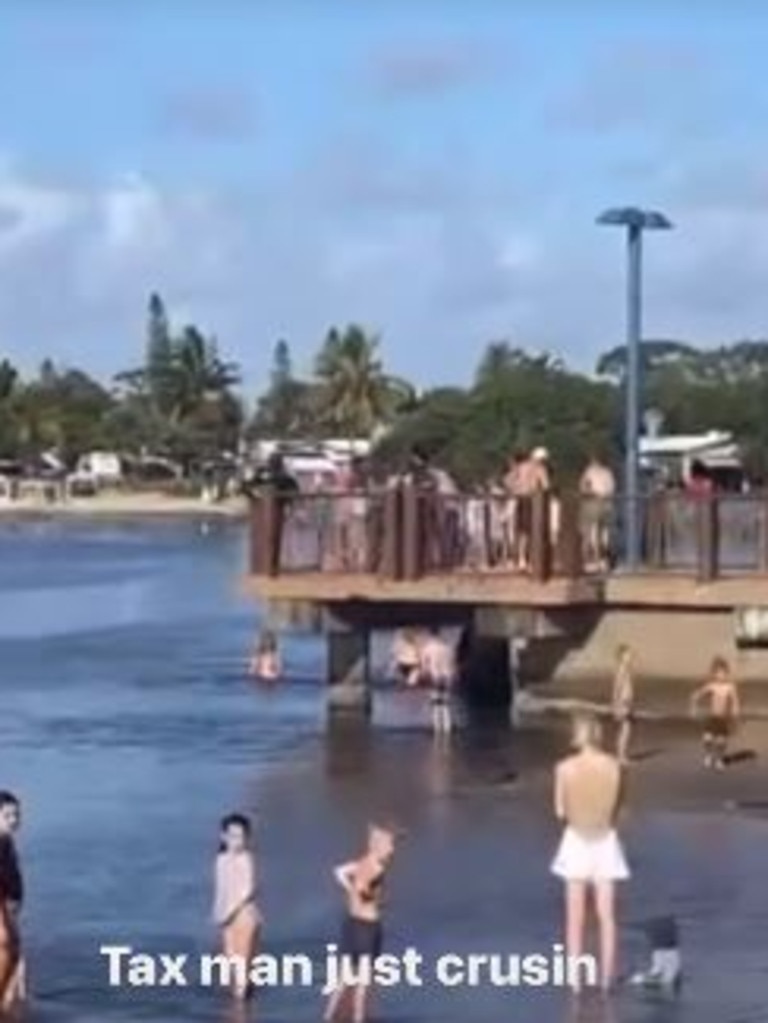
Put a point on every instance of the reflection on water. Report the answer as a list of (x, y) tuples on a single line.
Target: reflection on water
[(128, 728)]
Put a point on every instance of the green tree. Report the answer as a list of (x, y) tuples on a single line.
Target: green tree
[(356, 396)]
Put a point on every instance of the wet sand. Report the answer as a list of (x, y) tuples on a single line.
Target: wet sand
[(472, 871)]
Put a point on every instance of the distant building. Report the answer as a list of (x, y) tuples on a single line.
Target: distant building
[(313, 463), (673, 456)]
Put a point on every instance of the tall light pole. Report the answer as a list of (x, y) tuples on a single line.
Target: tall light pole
[(635, 221)]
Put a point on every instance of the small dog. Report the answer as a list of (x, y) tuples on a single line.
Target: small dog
[(666, 968)]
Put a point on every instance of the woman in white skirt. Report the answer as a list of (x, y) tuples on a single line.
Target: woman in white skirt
[(590, 858)]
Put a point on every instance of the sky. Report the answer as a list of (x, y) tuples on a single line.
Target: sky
[(431, 169)]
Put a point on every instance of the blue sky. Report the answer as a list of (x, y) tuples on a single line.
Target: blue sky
[(431, 169)]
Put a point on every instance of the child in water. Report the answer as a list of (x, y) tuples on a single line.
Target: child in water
[(724, 709), (362, 932), (266, 663)]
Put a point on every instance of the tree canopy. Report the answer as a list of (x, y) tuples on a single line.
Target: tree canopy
[(185, 400)]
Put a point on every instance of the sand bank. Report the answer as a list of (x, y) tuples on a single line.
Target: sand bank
[(121, 505)]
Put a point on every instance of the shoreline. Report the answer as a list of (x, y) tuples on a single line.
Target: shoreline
[(137, 505)]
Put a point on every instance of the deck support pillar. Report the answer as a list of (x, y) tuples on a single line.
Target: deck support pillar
[(349, 671), (484, 666), (517, 646)]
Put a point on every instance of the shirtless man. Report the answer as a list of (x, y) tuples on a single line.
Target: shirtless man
[(623, 701), (438, 668), (531, 476), (362, 932), (590, 859), (724, 710), (598, 489)]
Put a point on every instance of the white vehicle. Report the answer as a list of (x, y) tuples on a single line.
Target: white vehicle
[(102, 468)]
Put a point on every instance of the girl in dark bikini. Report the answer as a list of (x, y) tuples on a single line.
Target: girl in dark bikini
[(362, 932)]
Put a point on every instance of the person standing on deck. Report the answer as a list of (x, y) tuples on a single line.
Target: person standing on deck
[(598, 489), (362, 937), (532, 477), (590, 859), (438, 668), (12, 967), (623, 701), (235, 911)]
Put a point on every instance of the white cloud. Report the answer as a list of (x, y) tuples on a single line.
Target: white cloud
[(78, 263)]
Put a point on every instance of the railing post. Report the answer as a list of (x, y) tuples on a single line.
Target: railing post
[(708, 523), (272, 511), (656, 524), (570, 560), (391, 561), (412, 535), (256, 535), (764, 533), (541, 536)]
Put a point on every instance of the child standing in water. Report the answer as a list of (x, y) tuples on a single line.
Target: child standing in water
[(266, 663), (362, 935), (623, 701), (235, 910), (722, 695)]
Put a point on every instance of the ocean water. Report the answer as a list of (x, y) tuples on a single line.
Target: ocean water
[(128, 728)]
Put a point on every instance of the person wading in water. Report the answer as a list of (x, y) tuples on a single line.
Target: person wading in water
[(623, 702), (12, 967), (590, 859), (362, 936), (724, 711), (235, 911), (438, 668)]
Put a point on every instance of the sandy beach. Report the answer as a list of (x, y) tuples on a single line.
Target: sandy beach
[(114, 504)]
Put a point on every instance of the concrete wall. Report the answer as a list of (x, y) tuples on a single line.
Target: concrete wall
[(673, 645)]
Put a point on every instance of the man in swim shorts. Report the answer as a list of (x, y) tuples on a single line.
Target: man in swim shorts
[(590, 859)]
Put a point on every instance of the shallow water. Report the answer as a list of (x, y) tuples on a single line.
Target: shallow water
[(128, 729)]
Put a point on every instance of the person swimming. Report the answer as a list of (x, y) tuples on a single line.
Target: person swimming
[(266, 662), (362, 935), (590, 858), (721, 691), (235, 909)]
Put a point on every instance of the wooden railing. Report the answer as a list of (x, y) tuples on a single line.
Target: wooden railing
[(406, 533)]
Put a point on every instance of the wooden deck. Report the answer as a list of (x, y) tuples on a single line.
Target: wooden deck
[(651, 589), (411, 548)]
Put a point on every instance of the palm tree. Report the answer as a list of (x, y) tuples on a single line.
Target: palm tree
[(356, 397), (200, 377)]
